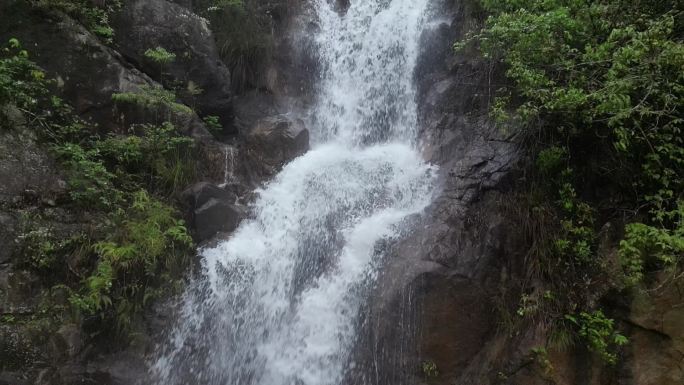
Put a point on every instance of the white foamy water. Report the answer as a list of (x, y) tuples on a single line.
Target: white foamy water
[(277, 303)]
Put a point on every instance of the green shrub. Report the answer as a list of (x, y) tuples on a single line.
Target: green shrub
[(90, 183), (155, 98), (550, 160), (22, 83), (133, 247), (169, 156), (596, 73), (429, 369), (596, 88), (123, 150), (599, 334), (213, 124), (40, 247), (158, 158), (160, 56), (94, 18), (144, 244), (541, 356), (644, 244)]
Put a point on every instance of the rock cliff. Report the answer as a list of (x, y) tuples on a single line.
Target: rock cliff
[(435, 315)]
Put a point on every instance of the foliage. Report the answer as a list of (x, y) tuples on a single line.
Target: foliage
[(213, 124), (550, 160), (21, 81), (645, 244), (144, 243), (42, 250), (40, 247), (141, 245), (90, 183), (541, 356), (172, 166), (429, 369), (561, 337), (158, 158), (193, 89), (600, 70), (160, 56), (599, 334), (94, 18), (154, 98), (598, 90), (527, 305), (135, 245), (101, 171)]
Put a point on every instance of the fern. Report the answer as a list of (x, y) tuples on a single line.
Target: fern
[(154, 98)]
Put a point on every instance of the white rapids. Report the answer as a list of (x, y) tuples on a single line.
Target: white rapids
[(277, 303)]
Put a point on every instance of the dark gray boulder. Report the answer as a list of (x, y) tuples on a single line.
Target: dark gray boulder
[(68, 342), (274, 141), (87, 72), (216, 216), (212, 210), (200, 193), (148, 24)]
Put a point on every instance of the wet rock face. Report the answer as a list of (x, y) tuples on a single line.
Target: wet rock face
[(27, 172), (148, 24), (657, 336), (253, 105), (29, 177), (440, 279)]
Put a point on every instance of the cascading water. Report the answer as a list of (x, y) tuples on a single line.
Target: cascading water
[(277, 303), (228, 165)]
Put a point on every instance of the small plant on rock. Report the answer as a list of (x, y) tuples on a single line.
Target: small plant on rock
[(161, 57), (95, 18), (22, 83), (429, 369), (154, 98), (213, 124)]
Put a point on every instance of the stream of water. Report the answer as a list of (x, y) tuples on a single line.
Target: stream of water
[(277, 303)]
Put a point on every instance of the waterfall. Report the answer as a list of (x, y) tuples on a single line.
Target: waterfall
[(228, 165), (277, 303)]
